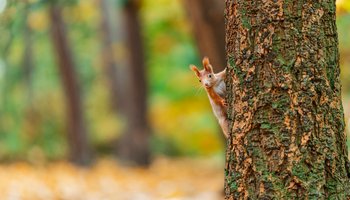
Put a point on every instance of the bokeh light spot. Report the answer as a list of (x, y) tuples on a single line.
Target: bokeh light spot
[(2, 5)]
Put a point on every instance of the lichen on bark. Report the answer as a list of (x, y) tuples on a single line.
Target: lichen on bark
[(286, 118)]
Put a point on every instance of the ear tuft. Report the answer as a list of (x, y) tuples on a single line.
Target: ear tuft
[(205, 61), (206, 65), (195, 69)]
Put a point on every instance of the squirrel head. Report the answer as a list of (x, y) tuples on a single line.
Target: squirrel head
[(206, 76)]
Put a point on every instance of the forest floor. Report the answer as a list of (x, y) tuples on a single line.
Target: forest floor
[(165, 179)]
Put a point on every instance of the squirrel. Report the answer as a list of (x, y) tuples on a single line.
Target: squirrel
[(215, 87)]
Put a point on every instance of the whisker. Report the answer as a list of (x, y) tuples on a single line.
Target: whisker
[(199, 88), (196, 88)]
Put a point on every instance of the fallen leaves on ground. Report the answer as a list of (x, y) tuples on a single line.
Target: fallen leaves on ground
[(168, 179)]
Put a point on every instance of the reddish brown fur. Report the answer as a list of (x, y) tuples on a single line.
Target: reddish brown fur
[(217, 99), (213, 84)]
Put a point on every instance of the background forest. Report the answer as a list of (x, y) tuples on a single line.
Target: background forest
[(44, 84), (33, 100)]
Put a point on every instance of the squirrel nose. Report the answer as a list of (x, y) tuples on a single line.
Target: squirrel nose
[(206, 84)]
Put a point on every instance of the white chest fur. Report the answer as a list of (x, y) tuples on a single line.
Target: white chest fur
[(220, 89)]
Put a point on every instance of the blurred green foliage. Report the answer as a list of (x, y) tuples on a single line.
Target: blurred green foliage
[(32, 123), (179, 113)]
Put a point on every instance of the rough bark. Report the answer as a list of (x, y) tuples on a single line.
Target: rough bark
[(77, 134), (287, 127), (133, 146), (207, 20)]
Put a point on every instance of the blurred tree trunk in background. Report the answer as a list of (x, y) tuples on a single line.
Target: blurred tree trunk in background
[(133, 145), (287, 138), (124, 67), (207, 20), (77, 134), (28, 52), (31, 115), (113, 67)]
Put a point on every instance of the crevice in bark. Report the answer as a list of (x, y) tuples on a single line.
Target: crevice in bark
[(286, 117)]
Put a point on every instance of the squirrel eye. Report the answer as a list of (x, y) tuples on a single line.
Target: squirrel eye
[(209, 75), (200, 81)]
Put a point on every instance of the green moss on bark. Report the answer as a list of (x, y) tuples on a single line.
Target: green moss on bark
[(286, 119)]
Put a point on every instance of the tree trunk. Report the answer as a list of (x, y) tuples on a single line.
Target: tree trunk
[(133, 145), (287, 127), (207, 21), (77, 134), (114, 68), (28, 52)]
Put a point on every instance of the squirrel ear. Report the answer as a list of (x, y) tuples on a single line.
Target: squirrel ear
[(195, 69), (207, 65)]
